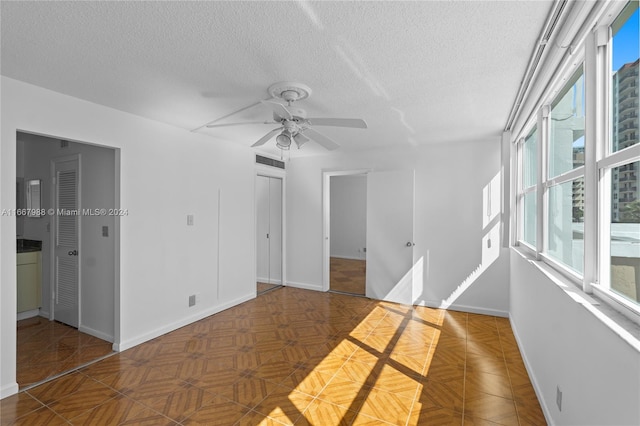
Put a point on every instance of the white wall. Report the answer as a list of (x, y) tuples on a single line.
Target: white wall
[(166, 173), (97, 171), (566, 346), (348, 216), (450, 226)]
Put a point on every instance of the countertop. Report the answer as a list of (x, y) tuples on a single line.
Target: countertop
[(24, 245)]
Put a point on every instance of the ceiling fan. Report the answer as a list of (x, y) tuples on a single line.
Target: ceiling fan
[(294, 125)]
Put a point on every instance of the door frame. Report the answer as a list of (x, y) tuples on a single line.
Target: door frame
[(116, 229), (270, 172), (326, 219), (53, 227)]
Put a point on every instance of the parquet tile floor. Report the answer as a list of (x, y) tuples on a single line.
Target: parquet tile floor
[(301, 357), (347, 275), (48, 348)]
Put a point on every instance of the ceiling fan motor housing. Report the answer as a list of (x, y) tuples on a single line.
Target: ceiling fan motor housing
[(289, 91)]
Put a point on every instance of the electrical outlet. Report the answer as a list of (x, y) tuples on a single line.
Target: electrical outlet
[(189, 220), (192, 300), (559, 398), (105, 231)]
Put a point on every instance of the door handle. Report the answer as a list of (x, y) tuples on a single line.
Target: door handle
[(73, 253), (410, 244)]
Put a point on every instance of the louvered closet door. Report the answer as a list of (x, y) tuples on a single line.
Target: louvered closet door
[(65, 294)]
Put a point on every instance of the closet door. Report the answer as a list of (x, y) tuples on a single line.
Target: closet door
[(269, 230), (275, 230), (66, 273), (262, 229)]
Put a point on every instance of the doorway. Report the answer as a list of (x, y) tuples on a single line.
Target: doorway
[(74, 321), (269, 235), (391, 272), (348, 239)]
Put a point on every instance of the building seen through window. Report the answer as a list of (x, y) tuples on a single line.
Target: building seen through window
[(625, 179)]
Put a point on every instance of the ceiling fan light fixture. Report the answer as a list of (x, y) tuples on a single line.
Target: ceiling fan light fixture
[(283, 141)]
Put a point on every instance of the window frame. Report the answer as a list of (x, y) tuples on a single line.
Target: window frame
[(572, 75), (594, 56), (606, 160), (522, 191)]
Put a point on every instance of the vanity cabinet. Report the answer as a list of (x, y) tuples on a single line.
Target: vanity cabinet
[(29, 281)]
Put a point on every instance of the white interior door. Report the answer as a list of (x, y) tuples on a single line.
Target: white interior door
[(390, 236), (275, 230), (269, 229), (65, 292), (262, 229)]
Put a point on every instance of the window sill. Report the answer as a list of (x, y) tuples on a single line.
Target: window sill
[(625, 328)]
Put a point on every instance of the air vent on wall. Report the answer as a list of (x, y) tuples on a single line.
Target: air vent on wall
[(269, 162)]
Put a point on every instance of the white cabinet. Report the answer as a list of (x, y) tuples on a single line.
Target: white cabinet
[(29, 281)]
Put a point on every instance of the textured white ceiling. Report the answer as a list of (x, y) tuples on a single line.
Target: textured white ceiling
[(417, 72)]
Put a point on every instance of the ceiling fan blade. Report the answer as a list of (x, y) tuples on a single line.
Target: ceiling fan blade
[(322, 139), (239, 124), (266, 137), (229, 115), (356, 123), (300, 139), (278, 109)]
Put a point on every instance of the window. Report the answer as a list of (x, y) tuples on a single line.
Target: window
[(565, 184), (625, 234), (566, 139), (565, 233), (529, 182), (624, 81), (595, 240), (620, 259)]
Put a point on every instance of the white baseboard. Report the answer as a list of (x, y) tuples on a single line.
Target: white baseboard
[(477, 310), (269, 281), (466, 308), (126, 344), (8, 390), (28, 314), (96, 333), (305, 286), (348, 257), (532, 377)]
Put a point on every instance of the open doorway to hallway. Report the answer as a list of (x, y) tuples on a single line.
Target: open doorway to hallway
[(348, 239), (68, 254)]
